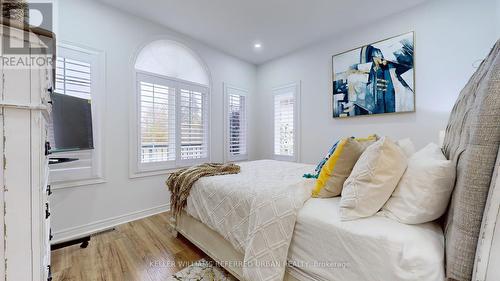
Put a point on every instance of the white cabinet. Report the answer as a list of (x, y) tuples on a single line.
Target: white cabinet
[(25, 206)]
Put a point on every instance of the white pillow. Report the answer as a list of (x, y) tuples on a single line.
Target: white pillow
[(407, 146), (372, 180), (424, 191)]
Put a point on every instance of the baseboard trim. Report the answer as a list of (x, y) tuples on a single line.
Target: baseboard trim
[(98, 226)]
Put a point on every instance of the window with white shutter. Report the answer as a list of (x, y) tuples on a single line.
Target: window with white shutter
[(286, 122), (236, 123), (78, 74), (172, 109), (173, 126), (157, 121), (193, 124)]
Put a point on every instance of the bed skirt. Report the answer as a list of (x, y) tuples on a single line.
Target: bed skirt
[(216, 247)]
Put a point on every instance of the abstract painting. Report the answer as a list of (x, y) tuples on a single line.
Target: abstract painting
[(374, 79)]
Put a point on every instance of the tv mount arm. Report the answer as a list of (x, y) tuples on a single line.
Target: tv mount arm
[(58, 160)]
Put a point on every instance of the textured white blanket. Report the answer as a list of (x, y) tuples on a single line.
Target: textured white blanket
[(256, 211)]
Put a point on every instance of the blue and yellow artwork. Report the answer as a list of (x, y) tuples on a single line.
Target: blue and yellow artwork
[(376, 78)]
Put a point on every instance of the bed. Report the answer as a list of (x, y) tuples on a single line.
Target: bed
[(408, 252), (219, 212)]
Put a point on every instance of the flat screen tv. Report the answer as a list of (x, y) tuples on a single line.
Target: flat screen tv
[(72, 123)]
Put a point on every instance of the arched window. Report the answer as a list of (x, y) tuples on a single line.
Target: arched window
[(170, 59), (172, 102)]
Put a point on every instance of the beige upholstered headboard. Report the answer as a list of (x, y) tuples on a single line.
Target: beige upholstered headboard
[(472, 142)]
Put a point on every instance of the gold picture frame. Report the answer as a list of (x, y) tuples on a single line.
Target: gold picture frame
[(352, 98)]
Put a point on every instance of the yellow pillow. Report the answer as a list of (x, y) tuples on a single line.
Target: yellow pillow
[(339, 166)]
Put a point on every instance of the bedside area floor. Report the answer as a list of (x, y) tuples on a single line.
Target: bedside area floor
[(141, 250)]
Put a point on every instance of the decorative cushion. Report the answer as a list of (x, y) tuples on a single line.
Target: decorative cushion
[(337, 168), (424, 191), (323, 161), (407, 146), (366, 142), (373, 179), (339, 165)]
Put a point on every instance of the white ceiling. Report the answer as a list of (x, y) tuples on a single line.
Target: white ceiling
[(281, 26)]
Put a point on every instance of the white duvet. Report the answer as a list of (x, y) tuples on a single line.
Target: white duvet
[(256, 211), (372, 249)]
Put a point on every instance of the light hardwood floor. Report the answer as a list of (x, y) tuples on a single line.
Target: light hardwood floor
[(142, 250)]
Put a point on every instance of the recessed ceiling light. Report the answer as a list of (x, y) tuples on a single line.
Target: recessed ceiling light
[(257, 45)]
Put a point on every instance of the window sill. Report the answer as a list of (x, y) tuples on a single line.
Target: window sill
[(284, 158), (158, 170), (78, 183), (237, 160), (143, 174)]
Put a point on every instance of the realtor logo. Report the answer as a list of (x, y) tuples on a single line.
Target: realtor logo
[(34, 47)]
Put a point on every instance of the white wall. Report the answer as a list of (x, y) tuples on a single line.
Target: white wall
[(450, 36), (119, 35), (498, 19)]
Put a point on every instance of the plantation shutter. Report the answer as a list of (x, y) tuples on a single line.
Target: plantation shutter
[(173, 127), (237, 126), (77, 75), (73, 78), (157, 120), (193, 125), (284, 123)]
